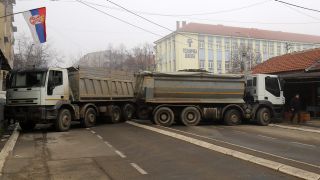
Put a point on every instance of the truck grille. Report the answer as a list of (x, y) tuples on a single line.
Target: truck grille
[(23, 101)]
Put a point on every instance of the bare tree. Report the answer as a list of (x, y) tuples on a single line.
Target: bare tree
[(30, 55), (243, 58)]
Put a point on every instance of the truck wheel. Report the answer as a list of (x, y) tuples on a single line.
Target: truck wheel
[(164, 116), (263, 116), (232, 117), (63, 121), (115, 114), (27, 126), (143, 112), (127, 112), (190, 116), (90, 118)]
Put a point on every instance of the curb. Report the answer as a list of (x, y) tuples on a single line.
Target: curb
[(295, 128), (290, 170), (8, 147)]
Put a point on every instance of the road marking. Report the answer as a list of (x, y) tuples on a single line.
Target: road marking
[(309, 145), (108, 144), (138, 168), (244, 156), (93, 132), (87, 128), (120, 154), (295, 128), (99, 137), (8, 147), (262, 152), (267, 137)]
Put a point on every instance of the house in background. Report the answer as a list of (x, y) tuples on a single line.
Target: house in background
[(300, 73)]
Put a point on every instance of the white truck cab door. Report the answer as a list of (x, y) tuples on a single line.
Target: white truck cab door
[(55, 87), (273, 91)]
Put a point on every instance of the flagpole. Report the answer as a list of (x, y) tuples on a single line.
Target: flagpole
[(16, 13), (13, 14)]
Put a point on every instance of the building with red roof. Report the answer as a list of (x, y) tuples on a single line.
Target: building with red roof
[(218, 48)]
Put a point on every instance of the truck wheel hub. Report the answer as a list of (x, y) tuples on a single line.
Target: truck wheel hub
[(190, 116)]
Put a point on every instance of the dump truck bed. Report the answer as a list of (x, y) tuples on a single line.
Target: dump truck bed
[(98, 84), (189, 87)]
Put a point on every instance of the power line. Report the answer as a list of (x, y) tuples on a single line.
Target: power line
[(118, 18), (300, 12), (184, 15), (156, 14), (290, 4), (208, 13)]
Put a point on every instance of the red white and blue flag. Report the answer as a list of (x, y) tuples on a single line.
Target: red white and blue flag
[(36, 19)]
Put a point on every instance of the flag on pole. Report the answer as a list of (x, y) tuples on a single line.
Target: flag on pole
[(36, 19)]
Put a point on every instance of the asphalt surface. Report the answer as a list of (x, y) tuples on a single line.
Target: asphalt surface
[(124, 151)]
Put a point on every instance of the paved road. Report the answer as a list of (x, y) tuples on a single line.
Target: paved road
[(124, 151)]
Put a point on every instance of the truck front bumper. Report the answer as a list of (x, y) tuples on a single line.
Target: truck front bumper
[(37, 114)]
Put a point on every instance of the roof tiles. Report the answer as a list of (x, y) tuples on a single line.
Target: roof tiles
[(248, 33), (289, 62)]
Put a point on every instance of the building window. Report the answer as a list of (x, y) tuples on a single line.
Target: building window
[(219, 67), (210, 42), (210, 64), (227, 66), (201, 44), (250, 44), (227, 55), (278, 49), (257, 46), (258, 57), (271, 49), (242, 43), (227, 43), (218, 42), (264, 47), (234, 44), (201, 64)]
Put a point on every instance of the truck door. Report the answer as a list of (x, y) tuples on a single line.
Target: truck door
[(55, 88), (273, 90)]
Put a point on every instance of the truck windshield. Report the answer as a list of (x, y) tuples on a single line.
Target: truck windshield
[(27, 79)]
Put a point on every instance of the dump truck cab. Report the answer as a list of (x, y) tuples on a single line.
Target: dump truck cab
[(265, 87), (41, 87), (33, 94)]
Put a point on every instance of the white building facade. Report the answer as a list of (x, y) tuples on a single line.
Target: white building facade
[(216, 48)]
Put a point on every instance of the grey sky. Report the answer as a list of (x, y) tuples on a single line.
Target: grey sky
[(74, 29)]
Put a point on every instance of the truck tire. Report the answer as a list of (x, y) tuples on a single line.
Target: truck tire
[(90, 118), (115, 114), (263, 116), (127, 112), (164, 116), (63, 121), (27, 126), (232, 117), (190, 116)]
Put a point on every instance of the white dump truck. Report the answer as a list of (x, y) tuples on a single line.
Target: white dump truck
[(189, 97), (58, 96)]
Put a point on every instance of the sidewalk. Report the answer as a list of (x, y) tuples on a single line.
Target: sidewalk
[(309, 126)]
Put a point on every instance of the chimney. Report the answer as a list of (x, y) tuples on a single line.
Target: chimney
[(184, 23), (178, 24)]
